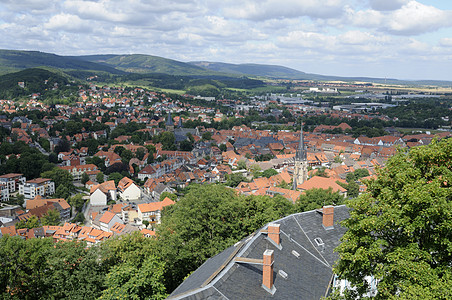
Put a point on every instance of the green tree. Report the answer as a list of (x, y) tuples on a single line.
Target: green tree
[(259, 210), (32, 222), (206, 220), (137, 268), (128, 281), (234, 179), (207, 136), (79, 218), (59, 177), (167, 139), (126, 156), (140, 153), (223, 147), (100, 177), (269, 173), (52, 218), (241, 164), (400, 230), (62, 191), (116, 177), (317, 198), (186, 145), (119, 149), (22, 275), (321, 172), (74, 271), (85, 178), (77, 201), (169, 195)]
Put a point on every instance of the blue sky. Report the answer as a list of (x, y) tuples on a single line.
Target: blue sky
[(401, 39)]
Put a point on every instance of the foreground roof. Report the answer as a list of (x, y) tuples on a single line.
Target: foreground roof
[(303, 262)]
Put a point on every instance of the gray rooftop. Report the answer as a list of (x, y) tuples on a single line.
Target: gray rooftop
[(308, 276)]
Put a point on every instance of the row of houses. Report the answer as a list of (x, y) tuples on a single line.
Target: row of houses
[(12, 183), (127, 216), (70, 231), (101, 194)]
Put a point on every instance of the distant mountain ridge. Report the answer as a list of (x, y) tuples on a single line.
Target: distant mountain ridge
[(141, 63), (16, 60), (274, 71)]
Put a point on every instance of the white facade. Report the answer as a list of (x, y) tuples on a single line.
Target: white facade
[(4, 192), (40, 186), (12, 181), (98, 198), (133, 192), (107, 226)]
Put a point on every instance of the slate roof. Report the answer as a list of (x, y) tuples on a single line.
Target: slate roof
[(262, 142), (308, 276)]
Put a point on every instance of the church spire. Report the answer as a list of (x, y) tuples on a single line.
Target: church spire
[(300, 174), (301, 152)]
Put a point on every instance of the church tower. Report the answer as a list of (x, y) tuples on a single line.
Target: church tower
[(300, 173), (169, 123)]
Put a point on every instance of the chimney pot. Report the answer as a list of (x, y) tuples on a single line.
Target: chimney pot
[(267, 276), (273, 233), (328, 216)]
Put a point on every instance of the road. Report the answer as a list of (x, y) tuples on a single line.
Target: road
[(42, 150)]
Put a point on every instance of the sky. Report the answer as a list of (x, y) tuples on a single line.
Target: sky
[(400, 39)]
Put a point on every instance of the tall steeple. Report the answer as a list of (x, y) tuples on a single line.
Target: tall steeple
[(301, 151), (300, 173), (169, 122)]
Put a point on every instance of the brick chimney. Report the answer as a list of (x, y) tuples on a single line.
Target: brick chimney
[(328, 216), (267, 274), (273, 233)]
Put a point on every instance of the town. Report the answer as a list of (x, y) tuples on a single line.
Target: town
[(111, 162)]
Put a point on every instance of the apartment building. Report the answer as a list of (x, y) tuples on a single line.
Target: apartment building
[(35, 187)]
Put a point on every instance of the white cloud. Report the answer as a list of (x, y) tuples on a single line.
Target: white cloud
[(67, 22), (416, 18), (446, 42), (386, 5), (271, 9), (364, 18)]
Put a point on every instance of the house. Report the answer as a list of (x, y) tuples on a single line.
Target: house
[(38, 186), (147, 172), (107, 220), (290, 258), (12, 180), (147, 233), (4, 192), (102, 193), (128, 190), (78, 170), (9, 230), (151, 212), (121, 229), (159, 189), (64, 208), (317, 182), (290, 195)]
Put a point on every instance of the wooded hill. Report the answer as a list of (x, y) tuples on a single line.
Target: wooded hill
[(114, 65)]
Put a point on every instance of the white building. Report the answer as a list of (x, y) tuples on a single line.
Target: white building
[(102, 193), (151, 212), (13, 181), (4, 192), (39, 186), (128, 190), (107, 220)]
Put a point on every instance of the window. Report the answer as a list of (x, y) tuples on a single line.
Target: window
[(319, 241)]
